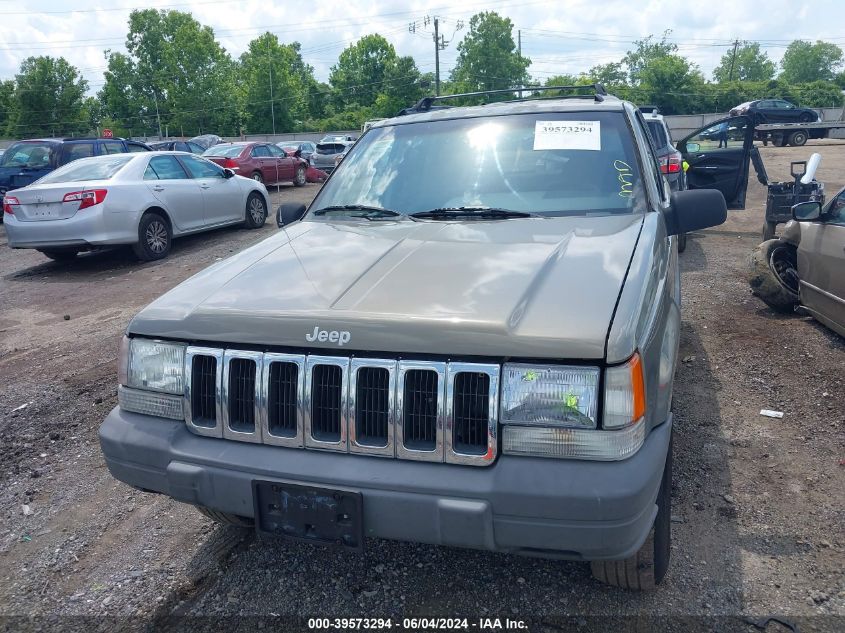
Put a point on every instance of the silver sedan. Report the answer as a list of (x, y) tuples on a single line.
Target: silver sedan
[(144, 200)]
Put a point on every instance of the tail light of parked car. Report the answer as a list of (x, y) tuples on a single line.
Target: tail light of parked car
[(8, 203), (86, 198), (672, 164), (230, 163)]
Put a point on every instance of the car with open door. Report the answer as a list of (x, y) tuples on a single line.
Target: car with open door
[(719, 157), (804, 266)]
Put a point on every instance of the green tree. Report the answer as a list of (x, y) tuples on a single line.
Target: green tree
[(609, 75), (361, 70), (646, 51), (487, 56), (670, 82), (804, 62), (49, 99), (749, 64), (266, 60), (7, 106), (174, 72)]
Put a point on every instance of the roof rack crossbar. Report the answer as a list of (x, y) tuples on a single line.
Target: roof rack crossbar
[(599, 93)]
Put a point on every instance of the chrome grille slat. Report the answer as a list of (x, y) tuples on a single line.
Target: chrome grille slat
[(418, 410)]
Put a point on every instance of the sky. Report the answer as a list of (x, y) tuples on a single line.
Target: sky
[(567, 36)]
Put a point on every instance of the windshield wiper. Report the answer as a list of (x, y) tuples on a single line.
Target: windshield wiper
[(364, 211), (481, 213)]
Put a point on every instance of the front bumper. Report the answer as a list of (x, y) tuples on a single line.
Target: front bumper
[(580, 510)]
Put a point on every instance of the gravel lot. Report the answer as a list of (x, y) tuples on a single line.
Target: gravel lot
[(758, 503)]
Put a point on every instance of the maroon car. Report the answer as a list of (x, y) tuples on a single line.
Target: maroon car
[(263, 162)]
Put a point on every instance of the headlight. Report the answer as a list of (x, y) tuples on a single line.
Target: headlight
[(156, 366), (152, 377), (551, 411), (550, 395)]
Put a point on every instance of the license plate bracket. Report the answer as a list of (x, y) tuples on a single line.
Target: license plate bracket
[(309, 513)]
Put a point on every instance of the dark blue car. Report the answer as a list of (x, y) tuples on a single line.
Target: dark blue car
[(25, 162)]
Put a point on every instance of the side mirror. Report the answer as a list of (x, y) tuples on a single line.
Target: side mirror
[(289, 212), (807, 211), (695, 209), (693, 147), (298, 153), (228, 173)]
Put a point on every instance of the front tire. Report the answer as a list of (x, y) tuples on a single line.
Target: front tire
[(63, 255), (154, 238), (797, 139), (300, 179), (774, 275), (647, 568), (806, 117), (256, 211)]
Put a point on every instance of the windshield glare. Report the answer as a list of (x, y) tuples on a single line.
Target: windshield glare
[(101, 168), (548, 163), (34, 155), (225, 151)]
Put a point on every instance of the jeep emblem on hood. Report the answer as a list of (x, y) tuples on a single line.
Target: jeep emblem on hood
[(333, 336)]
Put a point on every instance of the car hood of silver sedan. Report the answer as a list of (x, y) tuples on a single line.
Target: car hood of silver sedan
[(528, 288)]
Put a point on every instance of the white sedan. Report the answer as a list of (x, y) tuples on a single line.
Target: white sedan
[(143, 199)]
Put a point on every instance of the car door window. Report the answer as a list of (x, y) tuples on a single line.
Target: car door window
[(111, 147), (200, 168), (194, 148), (723, 135), (835, 212), (164, 168), (260, 151), (134, 148), (276, 151), (75, 151)]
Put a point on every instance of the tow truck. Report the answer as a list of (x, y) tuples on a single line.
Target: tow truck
[(796, 134)]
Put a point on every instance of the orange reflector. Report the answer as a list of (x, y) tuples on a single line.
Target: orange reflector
[(637, 386)]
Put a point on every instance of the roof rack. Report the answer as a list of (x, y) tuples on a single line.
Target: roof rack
[(425, 104)]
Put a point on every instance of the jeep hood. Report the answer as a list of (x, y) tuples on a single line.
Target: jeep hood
[(530, 288)]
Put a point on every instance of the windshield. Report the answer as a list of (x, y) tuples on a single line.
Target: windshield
[(226, 151), (36, 155), (100, 168), (548, 163)]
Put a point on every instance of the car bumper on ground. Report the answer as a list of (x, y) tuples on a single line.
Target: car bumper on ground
[(83, 230), (571, 509)]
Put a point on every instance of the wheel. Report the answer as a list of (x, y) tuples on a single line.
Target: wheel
[(154, 238), (806, 117), (682, 242), (225, 518), (257, 177), (779, 140), (256, 211), (769, 230), (774, 274), (647, 568), (299, 179), (797, 139), (60, 255)]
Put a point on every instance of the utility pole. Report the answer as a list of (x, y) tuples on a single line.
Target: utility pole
[(437, 56), (733, 60), (272, 105), (158, 118), (519, 49)]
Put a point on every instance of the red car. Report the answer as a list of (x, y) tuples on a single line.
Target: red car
[(263, 162)]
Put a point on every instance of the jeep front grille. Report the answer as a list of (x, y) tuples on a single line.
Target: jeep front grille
[(420, 410)]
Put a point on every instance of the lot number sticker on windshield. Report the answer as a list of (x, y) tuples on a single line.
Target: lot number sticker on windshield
[(567, 135)]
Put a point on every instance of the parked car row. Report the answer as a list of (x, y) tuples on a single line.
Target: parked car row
[(143, 200)]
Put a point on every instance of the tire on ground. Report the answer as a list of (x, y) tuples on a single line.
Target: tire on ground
[(144, 248), (798, 138), (764, 281), (647, 568), (769, 229), (682, 242), (299, 178), (225, 518), (253, 201)]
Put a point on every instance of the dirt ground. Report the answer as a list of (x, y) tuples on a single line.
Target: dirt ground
[(758, 503)]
